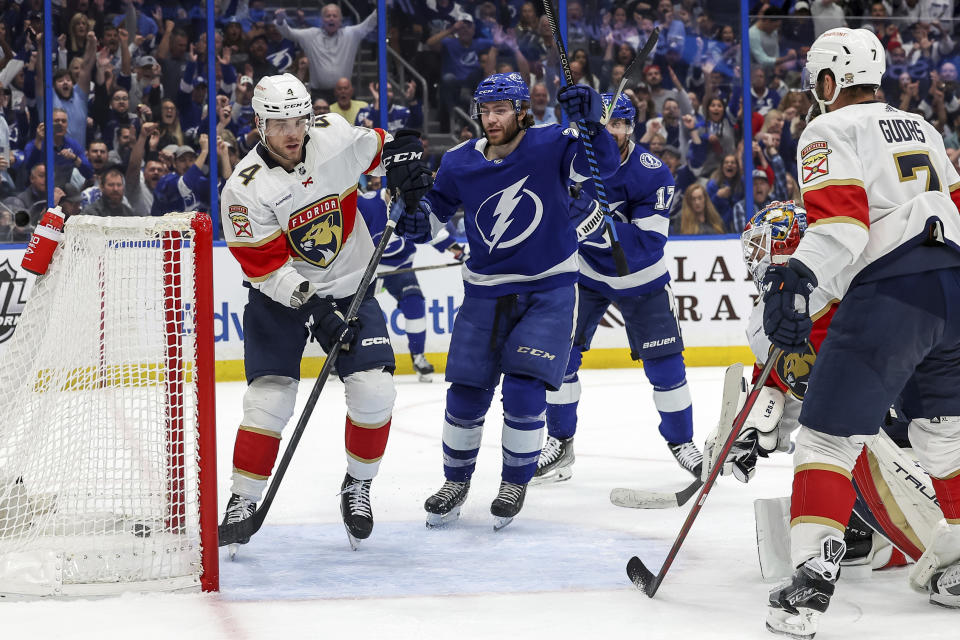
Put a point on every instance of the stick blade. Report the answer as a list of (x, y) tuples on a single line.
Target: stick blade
[(233, 533), (640, 499), (640, 576)]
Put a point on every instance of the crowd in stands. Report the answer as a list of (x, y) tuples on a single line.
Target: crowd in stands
[(130, 117)]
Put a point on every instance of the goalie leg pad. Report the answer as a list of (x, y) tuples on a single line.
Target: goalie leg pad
[(268, 405), (773, 537), (463, 429), (823, 494), (524, 415), (936, 442)]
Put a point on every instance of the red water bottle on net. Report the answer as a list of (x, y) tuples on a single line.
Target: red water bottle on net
[(44, 241)]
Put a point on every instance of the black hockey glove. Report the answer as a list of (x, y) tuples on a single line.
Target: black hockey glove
[(406, 168), (330, 328), (414, 224), (582, 104), (786, 299)]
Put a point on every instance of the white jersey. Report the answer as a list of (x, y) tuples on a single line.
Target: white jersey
[(285, 227), (872, 178)]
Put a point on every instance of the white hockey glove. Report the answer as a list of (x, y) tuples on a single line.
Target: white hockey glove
[(758, 437)]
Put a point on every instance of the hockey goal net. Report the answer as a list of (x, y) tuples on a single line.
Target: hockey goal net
[(107, 429)]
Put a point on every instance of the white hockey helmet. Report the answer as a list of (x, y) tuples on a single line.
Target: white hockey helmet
[(853, 56), (280, 97)]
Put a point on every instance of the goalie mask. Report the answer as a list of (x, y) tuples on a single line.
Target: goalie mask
[(771, 236)]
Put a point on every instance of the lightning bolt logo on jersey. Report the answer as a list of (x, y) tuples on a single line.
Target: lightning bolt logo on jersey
[(516, 208), (516, 213)]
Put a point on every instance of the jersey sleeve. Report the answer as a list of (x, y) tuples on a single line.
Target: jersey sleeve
[(832, 186), (368, 147), (952, 177), (255, 239), (575, 155)]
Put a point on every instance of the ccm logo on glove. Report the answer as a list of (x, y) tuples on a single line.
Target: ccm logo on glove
[(401, 157)]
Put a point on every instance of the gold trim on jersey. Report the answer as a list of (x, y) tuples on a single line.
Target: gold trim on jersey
[(257, 243), (954, 186), (950, 476), (349, 191), (369, 426), (840, 219), (827, 522), (247, 474), (822, 466), (826, 308), (364, 460), (831, 183)]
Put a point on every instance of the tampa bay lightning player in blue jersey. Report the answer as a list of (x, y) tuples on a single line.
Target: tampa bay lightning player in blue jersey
[(404, 287), (519, 281), (639, 194)]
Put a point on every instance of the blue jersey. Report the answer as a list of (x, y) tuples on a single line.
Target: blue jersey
[(639, 194), (399, 251), (516, 208)]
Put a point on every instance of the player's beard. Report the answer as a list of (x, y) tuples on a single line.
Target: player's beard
[(623, 142), (508, 133)]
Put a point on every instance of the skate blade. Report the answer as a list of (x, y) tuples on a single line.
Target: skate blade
[(233, 550), (559, 475), (500, 522), (425, 377), (436, 520), (353, 540), (801, 626)]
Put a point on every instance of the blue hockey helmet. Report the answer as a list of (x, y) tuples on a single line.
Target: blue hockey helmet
[(500, 86), (623, 109)]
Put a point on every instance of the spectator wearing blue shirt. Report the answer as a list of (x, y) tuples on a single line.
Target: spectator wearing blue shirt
[(462, 65), (72, 97), (68, 154), (398, 117), (187, 187), (725, 188)]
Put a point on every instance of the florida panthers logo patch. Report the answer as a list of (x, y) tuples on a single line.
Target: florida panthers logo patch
[(316, 231), (794, 370), (814, 161)]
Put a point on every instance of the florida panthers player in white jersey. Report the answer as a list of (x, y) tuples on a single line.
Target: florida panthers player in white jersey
[(882, 205), (289, 212)]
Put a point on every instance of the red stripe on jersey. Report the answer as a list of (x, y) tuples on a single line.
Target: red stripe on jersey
[(365, 444), (868, 491), (821, 493), (836, 201), (262, 260), (255, 452), (348, 209), (376, 158), (948, 493), (955, 196)]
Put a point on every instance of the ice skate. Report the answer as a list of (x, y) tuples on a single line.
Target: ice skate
[(507, 504), (688, 456), (556, 461), (238, 509), (423, 368), (795, 606), (444, 506), (945, 587), (355, 509)]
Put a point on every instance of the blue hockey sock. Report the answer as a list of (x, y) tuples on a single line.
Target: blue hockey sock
[(414, 313), (463, 430), (671, 396), (562, 403), (524, 409)]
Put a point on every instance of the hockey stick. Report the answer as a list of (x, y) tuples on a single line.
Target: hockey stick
[(641, 499), (619, 257), (639, 58), (636, 570), (387, 274), (231, 533)]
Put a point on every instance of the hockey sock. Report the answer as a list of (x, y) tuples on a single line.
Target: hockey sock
[(463, 429), (365, 445), (671, 396), (414, 313), (948, 494), (820, 506), (562, 403), (254, 453), (524, 414)]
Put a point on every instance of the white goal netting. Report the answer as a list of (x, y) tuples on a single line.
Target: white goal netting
[(99, 448)]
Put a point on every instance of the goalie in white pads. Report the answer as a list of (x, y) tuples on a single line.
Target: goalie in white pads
[(290, 219), (885, 243)]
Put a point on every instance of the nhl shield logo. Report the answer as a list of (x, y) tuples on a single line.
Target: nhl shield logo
[(11, 299), (316, 231)]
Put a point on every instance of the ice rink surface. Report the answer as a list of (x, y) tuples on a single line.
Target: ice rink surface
[(556, 572)]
